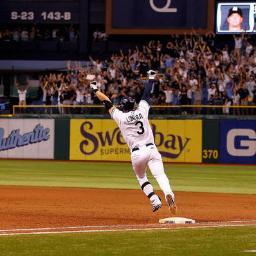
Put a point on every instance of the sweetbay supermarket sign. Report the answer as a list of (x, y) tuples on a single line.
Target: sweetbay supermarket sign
[(173, 145), (21, 138), (102, 140)]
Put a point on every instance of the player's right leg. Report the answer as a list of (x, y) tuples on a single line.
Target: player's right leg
[(139, 163)]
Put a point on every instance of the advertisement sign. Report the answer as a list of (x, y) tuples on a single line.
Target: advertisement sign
[(93, 139), (211, 140), (177, 140), (238, 141), (153, 15), (27, 138)]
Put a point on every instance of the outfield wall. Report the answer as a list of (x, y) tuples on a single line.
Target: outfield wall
[(229, 141), (184, 141)]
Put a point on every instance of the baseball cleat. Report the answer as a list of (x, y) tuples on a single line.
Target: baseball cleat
[(156, 207), (156, 203), (171, 203)]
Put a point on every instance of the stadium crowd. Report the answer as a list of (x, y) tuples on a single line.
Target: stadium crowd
[(191, 71), (33, 33)]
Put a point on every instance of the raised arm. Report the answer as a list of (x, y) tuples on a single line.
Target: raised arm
[(102, 97), (149, 86)]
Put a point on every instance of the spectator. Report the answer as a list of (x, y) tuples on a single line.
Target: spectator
[(36, 32), (24, 35), (168, 94), (80, 96), (67, 97), (227, 103), (212, 91), (238, 46), (22, 91), (16, 35), (193, 72), (236, 102)]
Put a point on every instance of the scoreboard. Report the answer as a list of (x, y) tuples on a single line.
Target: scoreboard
[(159, 16), (38, 11), (22, 13)]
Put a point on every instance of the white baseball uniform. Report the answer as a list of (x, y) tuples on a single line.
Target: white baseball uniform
[(137, 133)]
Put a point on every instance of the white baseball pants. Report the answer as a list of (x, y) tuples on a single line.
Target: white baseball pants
[(149, 156)]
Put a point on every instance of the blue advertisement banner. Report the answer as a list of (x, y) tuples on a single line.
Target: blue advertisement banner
[(238, 141), (160, 14)]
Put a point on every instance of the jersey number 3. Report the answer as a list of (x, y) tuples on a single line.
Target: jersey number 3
[(141, 127)]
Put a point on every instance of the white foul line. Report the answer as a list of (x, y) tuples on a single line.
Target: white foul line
[(117, 228), (243, 222)]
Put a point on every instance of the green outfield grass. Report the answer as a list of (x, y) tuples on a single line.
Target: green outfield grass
[(184, 242), (198, 178)]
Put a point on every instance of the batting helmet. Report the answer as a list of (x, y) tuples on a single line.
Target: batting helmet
[(127, 104)]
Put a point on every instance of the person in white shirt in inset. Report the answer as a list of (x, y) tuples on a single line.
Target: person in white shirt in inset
[(136, 130)]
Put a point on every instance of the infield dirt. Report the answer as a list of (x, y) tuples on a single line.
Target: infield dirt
[(31, 207)]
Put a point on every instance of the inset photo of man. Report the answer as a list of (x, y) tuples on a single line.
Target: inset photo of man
[(233, 19)]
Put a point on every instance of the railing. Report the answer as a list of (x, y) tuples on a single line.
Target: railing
[(163, 110)]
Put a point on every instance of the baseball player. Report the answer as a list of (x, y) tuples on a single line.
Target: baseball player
[(136, 130), (235, 19)]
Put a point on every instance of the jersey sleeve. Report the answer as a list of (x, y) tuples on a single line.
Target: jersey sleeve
[(148, 89), (116, 114), (144, 107)]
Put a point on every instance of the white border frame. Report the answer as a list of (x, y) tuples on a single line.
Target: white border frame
[(252, 11)]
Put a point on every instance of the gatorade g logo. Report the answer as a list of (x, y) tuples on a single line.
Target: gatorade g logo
[(241, 142), (165, 8)]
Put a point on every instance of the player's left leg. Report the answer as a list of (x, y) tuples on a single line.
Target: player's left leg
[(148, 190), (157, 169)]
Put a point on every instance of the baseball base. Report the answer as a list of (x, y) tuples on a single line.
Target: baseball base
[(176, 220)]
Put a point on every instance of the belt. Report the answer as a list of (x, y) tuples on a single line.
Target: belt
[(136, 148)]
